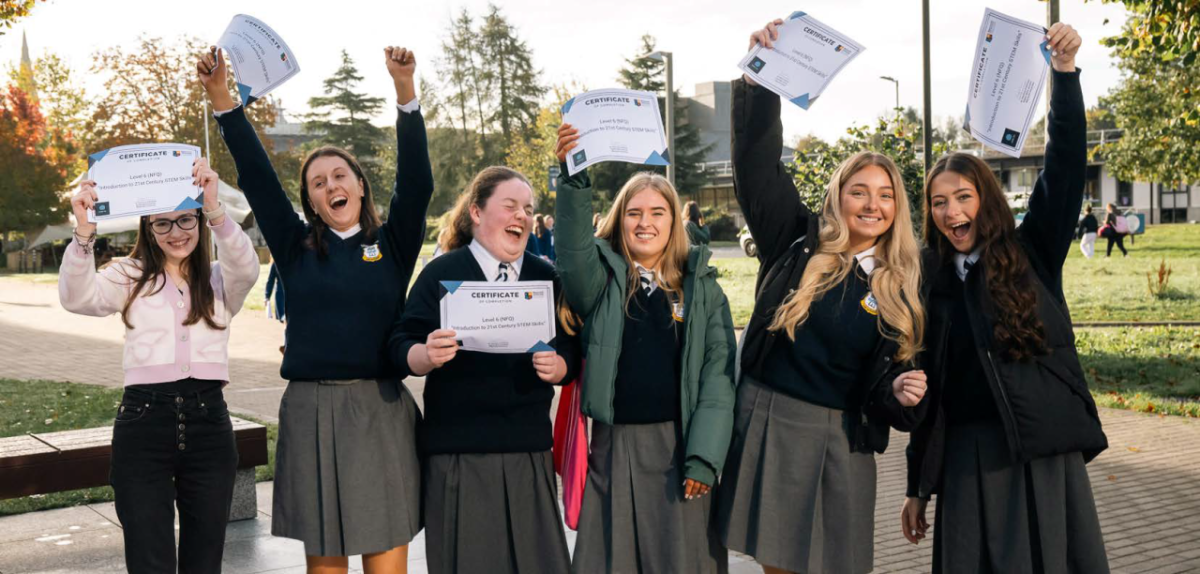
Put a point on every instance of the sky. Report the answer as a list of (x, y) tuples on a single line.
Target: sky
[(585, 43)]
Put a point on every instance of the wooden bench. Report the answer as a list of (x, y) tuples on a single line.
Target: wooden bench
[(69, 460)]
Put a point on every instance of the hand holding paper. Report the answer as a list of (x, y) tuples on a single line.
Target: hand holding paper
[(1064, 43), (616, 125), (261, 60), (797, 58), (83, 202), (214, 76), (144, 179), (499, 317), (1007, 79)]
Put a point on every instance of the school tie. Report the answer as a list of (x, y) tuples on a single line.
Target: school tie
[(503, 275), (646, 277)]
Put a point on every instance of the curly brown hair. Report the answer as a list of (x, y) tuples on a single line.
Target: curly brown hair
[(1018, 331)]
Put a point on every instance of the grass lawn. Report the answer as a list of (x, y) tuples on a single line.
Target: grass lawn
[(45, 406)]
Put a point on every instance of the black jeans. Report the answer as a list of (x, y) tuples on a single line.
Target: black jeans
[(173, 444)]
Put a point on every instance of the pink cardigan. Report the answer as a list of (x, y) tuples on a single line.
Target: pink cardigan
[(160, 349)]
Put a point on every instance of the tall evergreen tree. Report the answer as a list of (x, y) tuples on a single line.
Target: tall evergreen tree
[(509, 64), (342, 118)]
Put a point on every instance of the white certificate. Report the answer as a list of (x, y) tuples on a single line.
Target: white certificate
[(144, 179), (497, 317), (1007, 79), (616, 125), (261, 59), (805, 59)]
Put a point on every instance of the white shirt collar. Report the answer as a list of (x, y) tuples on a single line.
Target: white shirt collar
[(347, 233), (490, 265), (962, 259), (642, 271), (866, 259)]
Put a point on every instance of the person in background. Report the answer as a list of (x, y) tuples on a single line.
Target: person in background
[(1087, 232), (698, 233), (1115, 229)]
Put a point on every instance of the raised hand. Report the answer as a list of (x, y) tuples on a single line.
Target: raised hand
[(81, 202), (766, 38), (401, 63), (1064, 43), (910, 387), (206, 178), (566, 141), (214, 76)]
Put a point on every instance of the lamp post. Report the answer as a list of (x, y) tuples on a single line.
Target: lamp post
[(897, 82), (927, 121), (668, 59)]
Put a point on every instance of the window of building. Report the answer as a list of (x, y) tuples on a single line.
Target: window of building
[(1124, 194), (1173, 202)]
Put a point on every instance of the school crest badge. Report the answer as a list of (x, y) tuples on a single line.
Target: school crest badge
[(869, 304), (371, 252)]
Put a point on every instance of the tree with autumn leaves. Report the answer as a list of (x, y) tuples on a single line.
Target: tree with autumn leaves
[(34, 159)]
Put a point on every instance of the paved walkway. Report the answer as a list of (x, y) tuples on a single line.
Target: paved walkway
[(1147, 484)]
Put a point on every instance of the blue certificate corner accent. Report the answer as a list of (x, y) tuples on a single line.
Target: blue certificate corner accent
[(92, 159), (244, 92), (188, 203), (1046, 50), (797, 14), (657, 159), (450, 286), (567, 106), (539, 347), (803, 101)]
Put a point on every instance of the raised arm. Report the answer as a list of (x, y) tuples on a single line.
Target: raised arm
[(236, 259), (414, 176), (273, 211), (1049, 226), (764, 189), (583, 275), (81, 289)]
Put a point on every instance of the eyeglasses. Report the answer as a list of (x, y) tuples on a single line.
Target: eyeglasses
[(185, 222)]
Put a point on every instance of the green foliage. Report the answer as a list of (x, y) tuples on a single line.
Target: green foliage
[(720, 224), (13, 10), (342, 118), (895, 138), (534, 156), (1156, 103)]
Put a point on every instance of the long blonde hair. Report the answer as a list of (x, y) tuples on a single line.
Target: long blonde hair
[(895, 281), (672, 265)]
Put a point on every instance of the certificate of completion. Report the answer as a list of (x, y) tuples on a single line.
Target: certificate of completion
[(616, 125), (144, 179), (1008, 76), (500, 317), (806, 57), (261, 60)]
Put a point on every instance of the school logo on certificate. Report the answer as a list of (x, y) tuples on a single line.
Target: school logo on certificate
[(283, 57), (839, 48), (757, 64), (102, 208), (1010, 137), (580, 157)]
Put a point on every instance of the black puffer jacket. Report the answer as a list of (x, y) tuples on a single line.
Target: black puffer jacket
[(1044, 403), (786, 234)]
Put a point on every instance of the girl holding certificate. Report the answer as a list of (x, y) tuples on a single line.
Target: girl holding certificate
[(347, 476), (172, 442), (490, 501), (658, 380), (1010, 421), (827, 354)]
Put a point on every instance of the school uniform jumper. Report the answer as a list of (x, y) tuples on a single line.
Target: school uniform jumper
[(658, 384), (347, 476), (173, 442), (799, 490), (491, 500), (1004, 443)]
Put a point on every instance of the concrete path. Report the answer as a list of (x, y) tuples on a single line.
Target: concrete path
[(1147, 484)]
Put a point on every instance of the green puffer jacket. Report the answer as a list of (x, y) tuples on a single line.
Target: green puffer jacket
[(594, 280)]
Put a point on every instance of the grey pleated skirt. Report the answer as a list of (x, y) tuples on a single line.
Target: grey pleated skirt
[(793, 495), (494, 513), (634, 517), (347, 474), (997, 517)]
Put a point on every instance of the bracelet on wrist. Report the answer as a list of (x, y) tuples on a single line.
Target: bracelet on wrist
[(214, 214)]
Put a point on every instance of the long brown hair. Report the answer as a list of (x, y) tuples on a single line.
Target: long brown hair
[(896, 279), (477, 193), (1018, 329), (368, 218), (196, 270)]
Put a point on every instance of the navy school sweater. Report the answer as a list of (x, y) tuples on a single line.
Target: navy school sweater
[(480, 402), (341, 307)]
